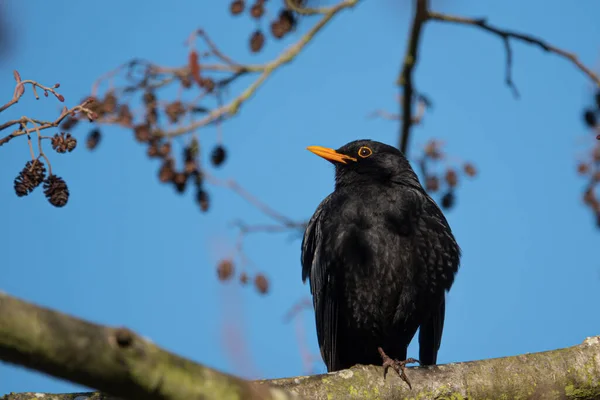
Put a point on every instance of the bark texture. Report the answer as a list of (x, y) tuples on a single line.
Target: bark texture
[(124, 365)]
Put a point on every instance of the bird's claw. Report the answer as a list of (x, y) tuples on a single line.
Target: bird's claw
[(398, 366)]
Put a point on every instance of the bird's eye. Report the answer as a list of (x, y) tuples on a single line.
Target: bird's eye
[(365, 152)]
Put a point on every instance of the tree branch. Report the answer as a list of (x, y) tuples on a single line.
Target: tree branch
[(405, 78), (125, 365), (506, 35), (424, 14), (113, 360)]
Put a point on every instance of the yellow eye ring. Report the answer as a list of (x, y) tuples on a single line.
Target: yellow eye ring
[(364, 152)]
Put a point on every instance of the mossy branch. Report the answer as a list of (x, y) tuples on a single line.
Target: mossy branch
[(113, 360), (122, 364)]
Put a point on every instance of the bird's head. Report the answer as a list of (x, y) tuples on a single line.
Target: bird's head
[(367, 161)]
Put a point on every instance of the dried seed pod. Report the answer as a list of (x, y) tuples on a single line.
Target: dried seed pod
[(174, 111), (278, 29), (589, 197), (180, 181), (287, 19), (243, 278), (432, 150), (166, 171), (583, 168), (470, 169), (56, 191), (432, 183), (142, 133), (451, 177), (190, 167), (203, 199), (35, 172), (225, 270), (165, 149), (93, 139), (448, 200), (22, 185), (257, 41), (125, 116), (63, 142), (208, 84), (589, 116), (149, 98), (237, 7), (109, 104), (261, 283), (151, 115), (30, 177), (257, 10), (96, 106), (218, 155), (153, 151)]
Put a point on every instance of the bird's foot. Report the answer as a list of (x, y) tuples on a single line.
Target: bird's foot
[(398, 366)]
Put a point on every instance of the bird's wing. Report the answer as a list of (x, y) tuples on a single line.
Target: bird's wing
[(437, 249), (315, 267)]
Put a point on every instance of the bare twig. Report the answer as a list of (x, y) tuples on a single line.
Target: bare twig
[(299, 9), (41, 125), (229, 110), (249, 197), (506, 35), (302, 304), (405, 79), (213, 47), (417, 118), (20, 90)]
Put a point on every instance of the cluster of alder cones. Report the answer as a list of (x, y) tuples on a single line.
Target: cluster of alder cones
[(285, 22), (33, 174), (226, 271), (447, 181), (590, 168), (149, 133)]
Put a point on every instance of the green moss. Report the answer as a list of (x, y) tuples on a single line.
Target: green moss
[(580, 393)]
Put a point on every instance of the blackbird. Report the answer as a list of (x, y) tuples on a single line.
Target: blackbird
[(380, 257)]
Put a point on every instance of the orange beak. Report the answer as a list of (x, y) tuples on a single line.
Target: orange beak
[(330, 154)]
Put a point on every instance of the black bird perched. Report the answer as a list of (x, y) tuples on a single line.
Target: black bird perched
[(380, 256)]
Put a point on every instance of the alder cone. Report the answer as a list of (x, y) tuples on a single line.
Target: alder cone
[(448, 200), (225, 270), (218, 155), (261, 283), (93, 139), (56, 191), (30, 177), (257, 41), (237, 7)]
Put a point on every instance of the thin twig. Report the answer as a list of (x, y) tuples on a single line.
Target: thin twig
[(405, 79), (263, 207), (229, 110), (20, 90), (214, 49), (46, 124), (506, 35), (298, 9)]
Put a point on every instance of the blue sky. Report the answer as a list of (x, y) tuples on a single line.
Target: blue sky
[(128, 251)]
